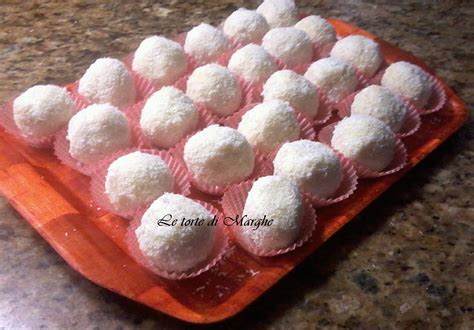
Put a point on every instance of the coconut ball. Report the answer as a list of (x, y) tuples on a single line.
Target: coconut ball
[(175, 248), (279, 13), (107, 80), (219, 155), (299, 92), (216, 88), (160, 60), (312, 165), (289, 45), (42, 110), (277, 198), (168, 115), (97, 131), (136, 179), (361, 52), (318, 30), (408, 81), (366, 140), (205, 43), (245, 26), (252, 63), (380, 103), (269, 124), (337, 79)]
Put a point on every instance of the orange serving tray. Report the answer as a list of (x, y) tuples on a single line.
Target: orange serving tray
[(55, 200)]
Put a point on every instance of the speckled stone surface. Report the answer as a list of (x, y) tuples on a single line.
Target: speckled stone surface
[(405, 262)]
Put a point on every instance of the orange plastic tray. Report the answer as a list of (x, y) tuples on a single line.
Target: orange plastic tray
[(54, 199)]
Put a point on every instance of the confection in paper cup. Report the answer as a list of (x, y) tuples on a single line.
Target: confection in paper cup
[(143, 86)]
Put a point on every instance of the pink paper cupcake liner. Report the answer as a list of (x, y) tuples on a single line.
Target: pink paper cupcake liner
[(143, 86), (233, 203), (322, 51), (437, 99)]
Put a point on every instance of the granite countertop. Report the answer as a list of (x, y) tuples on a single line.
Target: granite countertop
[(406, 261)]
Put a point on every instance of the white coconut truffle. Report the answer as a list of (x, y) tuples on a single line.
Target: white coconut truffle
[(379, 102), (160, 60), (245, 26), (216, 88), (42, 110), (277, 198), (205, 43), (337, 79), (408, 81), (97, 131), (168, 115), (107, 80), (136, 179), (289, 45), (318, 30), (312, 165), (279, 13), (299, 92), (252, 63), (361, 52), (269, 124), (219, 156), (175, 248), (365, 140)]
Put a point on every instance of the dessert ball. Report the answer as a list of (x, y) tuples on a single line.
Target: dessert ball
[(365, 140), (279, 13), (299, 92), (42, 110), (205, 43), (380, 103), (160, 60), (219, 156), (107, 80), (289, 45), (216, 88), (361, 52), (337, 79), (318, 30), (175, 248), (168, 115), (312, 165), (252, 63), (97, 131), (245, 26), (408, 81), (136, 179), (269, 124)]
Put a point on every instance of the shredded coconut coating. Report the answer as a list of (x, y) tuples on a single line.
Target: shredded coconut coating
[(299, 92), (279, 13), (366, 140), (380, 103), (205, 43), (289, 45), (318, 30), (168, 115), (216, 88), (277, 198), (97, 131), (269, 124), (252, 63), (219, 155), (361, 52), (337, 79), (42, 110), (136, 179), (160, 60), (408, 81), (312, 165), (107, 80), (245, 26), (175, 248)]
